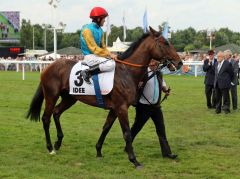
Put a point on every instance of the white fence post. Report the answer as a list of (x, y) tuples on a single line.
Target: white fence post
[(196, 67), (17, 67), (23, 71)]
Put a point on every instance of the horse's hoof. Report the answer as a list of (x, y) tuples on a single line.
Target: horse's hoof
[(52, 152), (56, 146), (139, 167), (99, 156)]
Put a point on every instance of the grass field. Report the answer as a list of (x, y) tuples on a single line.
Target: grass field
[(207, 144)]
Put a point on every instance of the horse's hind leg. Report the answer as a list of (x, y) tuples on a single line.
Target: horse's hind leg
[(66, 102), (46, 119), (106, 128)]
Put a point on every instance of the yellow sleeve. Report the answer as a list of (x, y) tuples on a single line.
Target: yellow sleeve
[(93, 47), (103, 43)]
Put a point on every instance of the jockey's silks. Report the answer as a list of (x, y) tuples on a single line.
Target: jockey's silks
[(89, 33)]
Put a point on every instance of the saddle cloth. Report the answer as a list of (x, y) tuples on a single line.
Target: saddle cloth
[(79, 87)]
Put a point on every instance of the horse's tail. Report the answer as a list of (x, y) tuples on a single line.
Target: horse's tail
[(36, 104)]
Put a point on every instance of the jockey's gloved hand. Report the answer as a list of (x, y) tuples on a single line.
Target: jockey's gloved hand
[(113, 56)]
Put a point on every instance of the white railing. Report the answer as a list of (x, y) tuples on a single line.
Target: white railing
[(43, 64), (196, 64)]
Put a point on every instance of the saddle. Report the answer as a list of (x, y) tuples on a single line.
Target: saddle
[(78, 86)]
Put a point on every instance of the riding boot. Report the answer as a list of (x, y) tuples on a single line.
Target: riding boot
[(86, 74)]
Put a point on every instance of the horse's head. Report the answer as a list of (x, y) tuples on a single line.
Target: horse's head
[(164, 52)]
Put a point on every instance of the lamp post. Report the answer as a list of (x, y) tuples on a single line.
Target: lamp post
[(211, 36), (54, 4), (45, 26), (33, 38), (45, 39)]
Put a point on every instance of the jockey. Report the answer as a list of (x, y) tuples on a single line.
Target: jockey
[(93, 46)]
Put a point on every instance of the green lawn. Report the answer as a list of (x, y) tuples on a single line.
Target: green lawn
[(207, 144)]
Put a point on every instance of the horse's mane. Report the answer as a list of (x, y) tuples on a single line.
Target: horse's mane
[(132, 47)]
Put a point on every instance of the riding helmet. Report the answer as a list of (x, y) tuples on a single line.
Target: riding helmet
[(98, 12)]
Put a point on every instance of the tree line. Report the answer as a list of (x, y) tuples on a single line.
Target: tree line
[(183, 40)]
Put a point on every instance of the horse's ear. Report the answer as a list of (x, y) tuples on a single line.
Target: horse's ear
[(154, 32), (160, 28)]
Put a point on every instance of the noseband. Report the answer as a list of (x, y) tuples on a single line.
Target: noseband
[(167, 63)]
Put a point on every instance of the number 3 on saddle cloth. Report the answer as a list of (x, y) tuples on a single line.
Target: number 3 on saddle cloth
[(101, 84)]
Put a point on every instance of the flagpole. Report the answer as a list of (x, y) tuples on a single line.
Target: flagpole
[(124, 27), (108, 30)]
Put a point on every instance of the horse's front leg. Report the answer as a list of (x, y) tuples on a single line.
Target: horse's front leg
[(106, 128), (122, 114)]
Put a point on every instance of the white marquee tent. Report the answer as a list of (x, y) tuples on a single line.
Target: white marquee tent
[(118, 46)]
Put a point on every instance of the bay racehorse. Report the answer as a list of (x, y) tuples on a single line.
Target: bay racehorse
[(55, 83)]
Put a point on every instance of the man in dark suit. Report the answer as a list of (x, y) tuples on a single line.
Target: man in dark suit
[(222, 83), (208, 67), (228, 56)]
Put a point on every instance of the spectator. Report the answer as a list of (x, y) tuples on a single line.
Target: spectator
[(208, 67), (234, 62), (222, 83)]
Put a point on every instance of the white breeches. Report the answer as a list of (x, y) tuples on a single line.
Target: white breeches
[(104, 63)]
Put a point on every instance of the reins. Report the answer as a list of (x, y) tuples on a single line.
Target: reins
[(128, 63), (123, 62), (137, 65)]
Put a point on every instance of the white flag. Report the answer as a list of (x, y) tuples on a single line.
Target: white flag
[(145, 22), (165, 31)]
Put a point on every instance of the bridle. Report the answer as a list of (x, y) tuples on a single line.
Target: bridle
[(168, 63)]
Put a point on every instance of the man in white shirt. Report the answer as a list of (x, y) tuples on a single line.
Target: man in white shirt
[(148, 106)]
